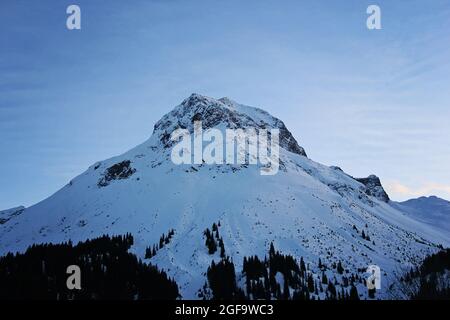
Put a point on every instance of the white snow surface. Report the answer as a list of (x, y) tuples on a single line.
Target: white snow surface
[(307, 209)]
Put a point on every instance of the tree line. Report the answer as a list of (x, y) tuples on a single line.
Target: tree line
[(108, 271)]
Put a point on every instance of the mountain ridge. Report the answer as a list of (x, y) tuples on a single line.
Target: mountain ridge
[(307, 209), (431, 210)]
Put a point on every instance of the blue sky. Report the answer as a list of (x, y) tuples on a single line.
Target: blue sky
[(367, 101)]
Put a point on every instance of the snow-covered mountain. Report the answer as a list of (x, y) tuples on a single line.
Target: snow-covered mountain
[(307, 209), (431, 210)]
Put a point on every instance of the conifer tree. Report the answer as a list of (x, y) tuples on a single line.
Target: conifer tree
[(286, 292), (222, 248), (271, 250), (310, 283), (339, 268), (353, 293), (302, 265), (324, 278)]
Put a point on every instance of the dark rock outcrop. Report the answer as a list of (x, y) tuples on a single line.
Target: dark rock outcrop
[(374, 187), (121, 170)]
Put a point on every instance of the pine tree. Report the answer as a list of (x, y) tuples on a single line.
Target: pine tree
[(212, 247), (340, 269), (343, 296), (271, 250), (332, 290), (353, 293), (161, 241), (222, 280), (310, 283), (148, 253), (371, 293), (324, 278), (286, 291), (302, 265), (222, 250)]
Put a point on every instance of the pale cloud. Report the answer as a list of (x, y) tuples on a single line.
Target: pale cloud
[(400, 190)]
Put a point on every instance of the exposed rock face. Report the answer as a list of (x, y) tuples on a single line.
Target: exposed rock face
[(374, 187), (225, 112), (120, 170)]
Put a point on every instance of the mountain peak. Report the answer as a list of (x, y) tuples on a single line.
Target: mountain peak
[(221, 113), (196, 99), (429, 199)]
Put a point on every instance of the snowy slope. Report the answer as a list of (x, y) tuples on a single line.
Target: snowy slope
[(7, 215), (431, 210), (307, 209)]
